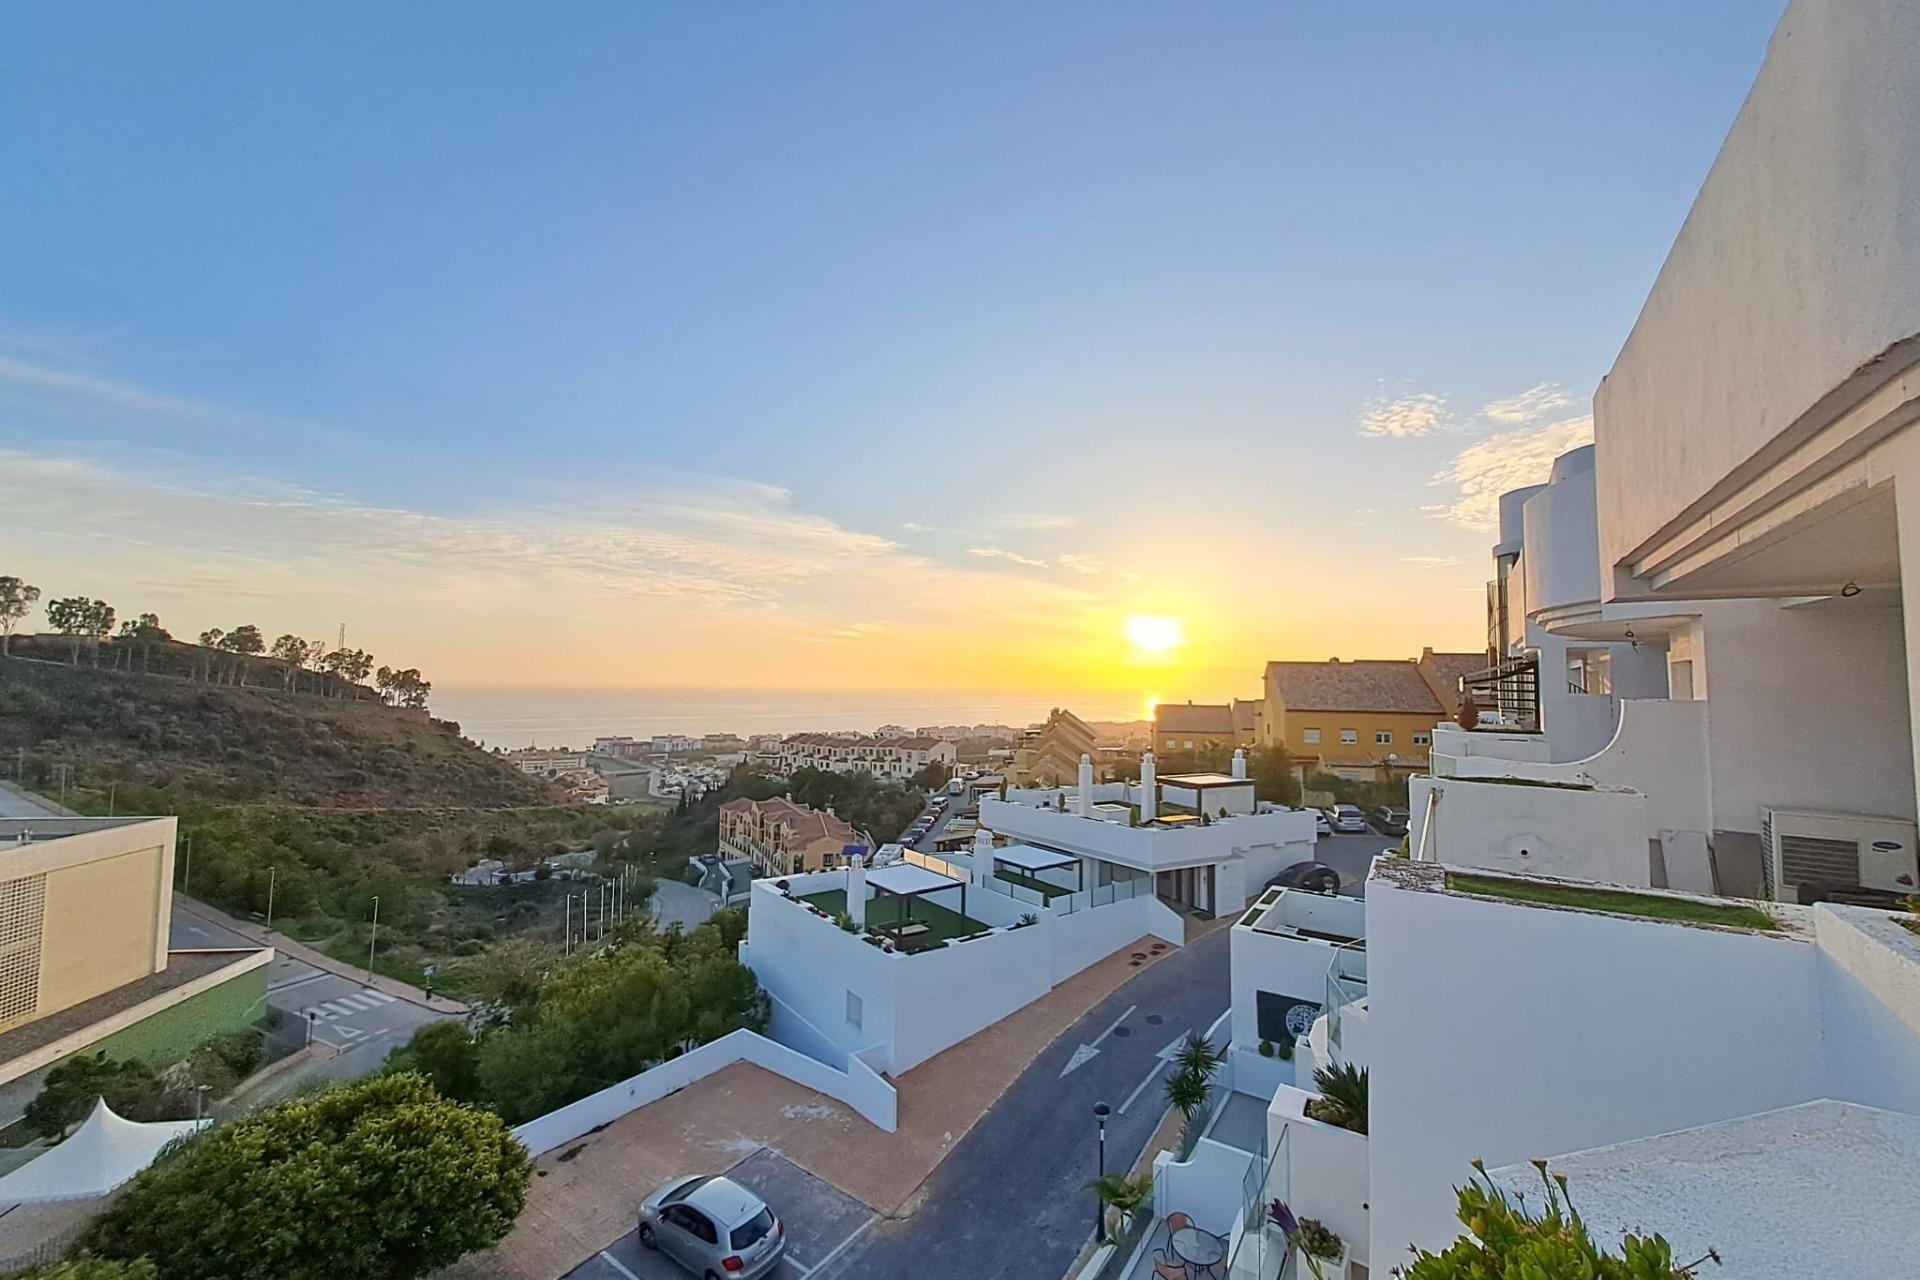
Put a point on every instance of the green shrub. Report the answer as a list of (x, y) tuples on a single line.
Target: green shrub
[(1504, 1240), (1343, 1097), (91, 1268)]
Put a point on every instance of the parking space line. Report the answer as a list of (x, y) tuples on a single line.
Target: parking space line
[(841, 1248), (617, 1265)]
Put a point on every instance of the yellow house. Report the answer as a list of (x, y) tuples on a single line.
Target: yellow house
[(1185, 727), (1366, 719)]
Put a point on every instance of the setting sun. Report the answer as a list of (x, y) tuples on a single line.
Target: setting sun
[(1155, 635)]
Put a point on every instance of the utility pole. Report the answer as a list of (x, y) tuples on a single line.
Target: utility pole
[(186, 878), (270, 878), (373, 937), (566, 934), (113, 789)]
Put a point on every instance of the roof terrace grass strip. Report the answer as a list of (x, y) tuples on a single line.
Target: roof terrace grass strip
[(1617, 902)]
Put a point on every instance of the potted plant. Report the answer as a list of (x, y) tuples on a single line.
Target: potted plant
[(1323, 1254), (1266, 1048), (1322, 1249), (1122, 1198), (1343, 1097)]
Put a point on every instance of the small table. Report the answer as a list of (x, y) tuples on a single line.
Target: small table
[(1197, 1248)]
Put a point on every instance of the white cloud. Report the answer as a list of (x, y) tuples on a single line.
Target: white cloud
[(1487, 468), (1527, 408), (1405, 417), (1430, 562), (1089, 565), (1001, 553), (914, 526)]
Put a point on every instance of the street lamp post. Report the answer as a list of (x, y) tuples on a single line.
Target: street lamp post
[(186, 875), (270, 878), (1100, 1113), (373, 937)]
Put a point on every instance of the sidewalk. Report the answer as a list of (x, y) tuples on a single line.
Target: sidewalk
[(300, 951)]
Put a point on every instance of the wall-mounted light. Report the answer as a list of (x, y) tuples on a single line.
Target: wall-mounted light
[(1850, 590)]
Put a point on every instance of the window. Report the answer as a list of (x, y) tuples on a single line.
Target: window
[(1383, 737), (1310, 736), (1422, 739), (753, 1230), (856, 1010), (1348, 737)]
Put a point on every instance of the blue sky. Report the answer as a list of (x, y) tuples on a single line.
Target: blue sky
[(1036, 316)]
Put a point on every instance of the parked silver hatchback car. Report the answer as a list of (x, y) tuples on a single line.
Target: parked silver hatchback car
[(714, 1227)]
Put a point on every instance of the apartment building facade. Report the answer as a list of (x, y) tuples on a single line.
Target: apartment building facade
[(893, 759), (781, 838), (1366, 719), (1048, 754)]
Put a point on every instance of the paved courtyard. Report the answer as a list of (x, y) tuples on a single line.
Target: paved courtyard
[(820, 1222), (586, 1194)]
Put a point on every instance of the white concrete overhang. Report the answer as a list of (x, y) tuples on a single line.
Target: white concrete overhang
[(1814, 477)]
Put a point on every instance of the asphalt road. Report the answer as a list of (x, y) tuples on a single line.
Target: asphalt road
[(1351, 856), (15, 803), (364, 1025), (1009, 1200), (676, 902)]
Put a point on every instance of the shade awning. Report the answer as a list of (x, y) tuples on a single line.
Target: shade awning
[(1030, 857), (907, 880), (101, 1154)]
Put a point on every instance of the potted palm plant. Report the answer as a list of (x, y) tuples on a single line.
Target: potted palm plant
[(1123, 1198)]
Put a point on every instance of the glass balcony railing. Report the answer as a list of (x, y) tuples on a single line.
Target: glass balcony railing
[(1262, 1250), (1346, 985)]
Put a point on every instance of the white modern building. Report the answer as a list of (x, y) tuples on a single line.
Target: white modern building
[(1647, 930), (1205, 841)]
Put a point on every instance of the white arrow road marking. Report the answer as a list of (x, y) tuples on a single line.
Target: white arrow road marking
[(1087, 1052), (1165, 1056)]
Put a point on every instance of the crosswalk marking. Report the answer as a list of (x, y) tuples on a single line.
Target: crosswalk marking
[(360, 1002)]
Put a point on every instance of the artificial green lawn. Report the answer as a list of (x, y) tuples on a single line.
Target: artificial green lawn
[(1617, 901), (885, 909)]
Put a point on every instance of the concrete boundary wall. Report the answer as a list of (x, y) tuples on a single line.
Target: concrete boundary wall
[(859, 1086)]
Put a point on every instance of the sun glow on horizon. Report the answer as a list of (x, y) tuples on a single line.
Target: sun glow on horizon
[(1154, 635)]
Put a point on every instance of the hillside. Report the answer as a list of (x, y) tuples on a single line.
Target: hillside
[(214, 743)]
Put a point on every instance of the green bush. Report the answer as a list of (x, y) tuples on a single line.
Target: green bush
[(1503, 1240), (131, 1088), (242, 1050), (379, 1179)]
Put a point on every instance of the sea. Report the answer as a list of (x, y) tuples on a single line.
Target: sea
[(522, 717)]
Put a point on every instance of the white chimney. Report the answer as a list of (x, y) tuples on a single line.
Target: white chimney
[(1240, 762), (1149, 792), (1084, 805), (982, 855), (857, 889)]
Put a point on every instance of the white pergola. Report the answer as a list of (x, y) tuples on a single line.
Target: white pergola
[(909, 881), (1031, 858)]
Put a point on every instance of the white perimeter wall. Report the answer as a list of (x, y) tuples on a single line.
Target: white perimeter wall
[(1585, 835), (1327, 1169), (914, 1006), (1509, 1032), (858, 1086)]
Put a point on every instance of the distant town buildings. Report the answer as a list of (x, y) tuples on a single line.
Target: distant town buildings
[(896, 759), (545, 763), (783, 838)]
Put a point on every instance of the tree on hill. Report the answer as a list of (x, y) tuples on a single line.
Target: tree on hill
[(350, 666), (243, 639), (90, 1268), (293, 651), (378, 1179), (402, 688), (16, 600), (142, 633), (934, 776), (80, 618)]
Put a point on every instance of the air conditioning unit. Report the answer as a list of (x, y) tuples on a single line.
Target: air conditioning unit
[(1808, 853)]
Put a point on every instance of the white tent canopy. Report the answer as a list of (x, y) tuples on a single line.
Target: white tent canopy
[(100, 1155), (1029, 857), (906, 879)]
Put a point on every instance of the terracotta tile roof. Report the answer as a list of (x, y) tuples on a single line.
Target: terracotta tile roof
[(1193, 717), (807, 825), (1367, 684), (1451, 666)]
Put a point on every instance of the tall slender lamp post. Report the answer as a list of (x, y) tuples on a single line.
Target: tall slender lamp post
[(1100, 1113), (270, 878), (373, 937)]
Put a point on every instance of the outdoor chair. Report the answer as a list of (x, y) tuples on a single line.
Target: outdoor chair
[(1166, 1268), (1178, 1222)]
